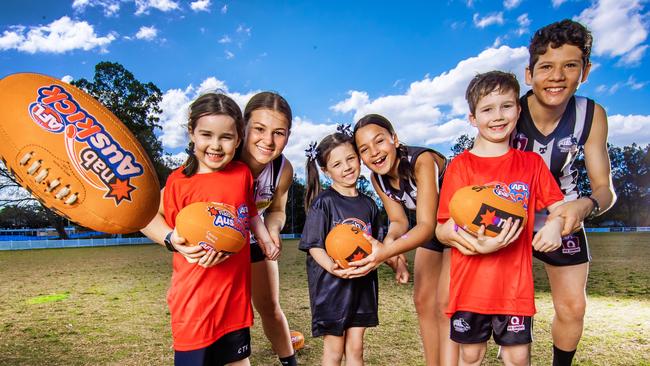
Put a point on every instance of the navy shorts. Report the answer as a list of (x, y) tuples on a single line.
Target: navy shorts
[(231, 347), (257, 255), (574, 250), (508, 330)]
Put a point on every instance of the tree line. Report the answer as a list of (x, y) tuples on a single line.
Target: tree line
[(137, 104)]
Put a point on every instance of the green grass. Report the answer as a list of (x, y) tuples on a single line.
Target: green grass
[(108, 306)]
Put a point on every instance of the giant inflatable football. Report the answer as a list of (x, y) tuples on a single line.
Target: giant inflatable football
[(74, 155)]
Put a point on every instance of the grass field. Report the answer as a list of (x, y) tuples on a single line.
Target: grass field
[(107, 306)]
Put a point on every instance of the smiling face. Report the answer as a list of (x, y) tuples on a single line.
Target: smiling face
[(557, 74), (496, 115), (377, 148), (343, 166), (215, 141), (267, 133)]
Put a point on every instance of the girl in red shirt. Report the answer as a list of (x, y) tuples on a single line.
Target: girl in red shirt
[(210, 298)]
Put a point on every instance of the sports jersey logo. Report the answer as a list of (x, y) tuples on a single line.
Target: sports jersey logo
[(93, 152), (460, 325), (516, 324), (358, 223), (520, 141), (493, 218), (568, 144), (263, 197), (571, 244)]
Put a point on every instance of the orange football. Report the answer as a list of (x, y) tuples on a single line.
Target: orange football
[(297, 340), (345, 243), (212, 224), (74, 155), (473, 206)]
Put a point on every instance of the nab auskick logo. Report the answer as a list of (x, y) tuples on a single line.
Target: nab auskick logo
[(93, 152), (493, 218)]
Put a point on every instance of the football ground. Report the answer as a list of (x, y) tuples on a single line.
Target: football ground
[(107, 306)]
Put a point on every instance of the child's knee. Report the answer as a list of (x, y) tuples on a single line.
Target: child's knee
[(518, 355), (571, 309), (472, 353)]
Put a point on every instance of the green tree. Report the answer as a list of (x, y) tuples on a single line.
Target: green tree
[(463, 142), (136, 104), (295, 208)]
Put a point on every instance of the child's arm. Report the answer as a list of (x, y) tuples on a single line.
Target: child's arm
[(549, 237), (600, 177), (268, 246), (275, 214), (324, 260), (157, 229), (452, 235), (510, 232)]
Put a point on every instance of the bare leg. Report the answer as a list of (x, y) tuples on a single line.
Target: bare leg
[(354, 346), (266, 298), (427, 272), (448, 348), (333, 348), (568, 285), (472, 354)]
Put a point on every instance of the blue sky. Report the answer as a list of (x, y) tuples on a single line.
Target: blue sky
[(333, 61)]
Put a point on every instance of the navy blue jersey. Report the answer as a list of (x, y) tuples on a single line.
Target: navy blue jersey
[(408, 191), (338, 304), (559, 148)]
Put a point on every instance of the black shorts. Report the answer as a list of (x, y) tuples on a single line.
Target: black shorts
[(231, 347), (508, 330), (574, 250), (257, 255)]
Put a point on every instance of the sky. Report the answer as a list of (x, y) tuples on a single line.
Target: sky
[(334, 61)]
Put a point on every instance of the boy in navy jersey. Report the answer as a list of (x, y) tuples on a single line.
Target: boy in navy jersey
[(556, 124)]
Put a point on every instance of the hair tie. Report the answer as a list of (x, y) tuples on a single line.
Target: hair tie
[(344, 128), (311, 152)]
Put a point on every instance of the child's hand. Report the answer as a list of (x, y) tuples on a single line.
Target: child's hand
[(573, 213), (341, 272), (372, 261), (454, 236), (270, 249), (192, 254), (509, 233), (402, 271), (549, 237), (212, 258)]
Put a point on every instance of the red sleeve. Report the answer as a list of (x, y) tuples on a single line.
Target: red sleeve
[(452, 181), (546, 189), (250, 194), (170, 199)]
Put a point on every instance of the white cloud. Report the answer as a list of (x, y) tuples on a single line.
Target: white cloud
[(524, 23), (175, 104), (618, 27), (244, 30), (224, 9), (143, 6), (225, 39), (633, 84), (147, 33), (557, 3), (612, 89), (490, 19), (109, 7), (433, 110), (497, 42), (633, 57), (229, 55), (60, 36), (511, 4), (200, 5), (67, 79), (624, 130)]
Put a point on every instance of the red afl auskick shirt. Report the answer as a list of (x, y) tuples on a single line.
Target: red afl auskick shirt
[(206, 303), (499, 282)]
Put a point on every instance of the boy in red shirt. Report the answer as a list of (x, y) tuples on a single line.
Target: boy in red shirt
[(491, 288)]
